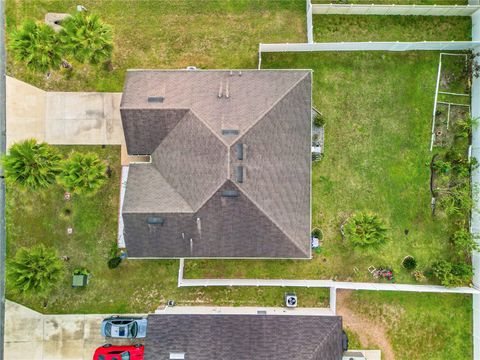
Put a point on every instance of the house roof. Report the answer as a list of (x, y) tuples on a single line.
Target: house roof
[(242, 337), (194, 129)]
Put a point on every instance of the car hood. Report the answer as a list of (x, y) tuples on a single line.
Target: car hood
[(142, 328)]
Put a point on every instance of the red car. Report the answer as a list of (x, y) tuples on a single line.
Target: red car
[(110, 352)]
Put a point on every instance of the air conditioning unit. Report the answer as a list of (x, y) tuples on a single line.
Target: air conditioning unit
[(353, 355), (291, 300)]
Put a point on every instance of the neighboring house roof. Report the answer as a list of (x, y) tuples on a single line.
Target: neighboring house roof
[(244, 337), (195, 130)]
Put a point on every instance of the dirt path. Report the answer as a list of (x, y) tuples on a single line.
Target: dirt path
[(372, 335)]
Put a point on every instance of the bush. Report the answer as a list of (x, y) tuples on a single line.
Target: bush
[(463, 242), (365, 230), (114, 262), (83, 173), (452, 274), (409, 263), (36, 270), (32, 165), (86, 38), (457, 201), (317, 233), (442, 166), (319, 120)]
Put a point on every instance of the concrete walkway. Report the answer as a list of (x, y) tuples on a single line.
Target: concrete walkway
[(30, 335), (64, 118)]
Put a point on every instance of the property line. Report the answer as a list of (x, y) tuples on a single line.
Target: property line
[(2, 180), (319, 284)]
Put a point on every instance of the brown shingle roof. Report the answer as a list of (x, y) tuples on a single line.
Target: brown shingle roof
[(268, 114), (244, 337)]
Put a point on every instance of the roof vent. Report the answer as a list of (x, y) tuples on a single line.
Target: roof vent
[(239, 149), (230, 132), (151, 220), (177, 356), (239, 173), (156, 99), (230, 193)]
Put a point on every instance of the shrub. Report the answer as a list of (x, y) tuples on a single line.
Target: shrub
[(442, 166), (419, 276), (83, 173), (319, 120), (36, 270), (463, 242), (409, 263), (463, 127), (37, 46), (452, 274), (365, 230), (317, 233), (457, 201), (87, 38), (32, 165), (114, 262)]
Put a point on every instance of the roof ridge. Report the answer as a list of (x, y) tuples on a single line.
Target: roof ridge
[(322, 341), (209, 128), (272, 220), (262, 116)]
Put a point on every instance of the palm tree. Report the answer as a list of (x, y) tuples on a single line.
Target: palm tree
[(87, 38), (83, 173), (37, 45), (36, 270), (365, 230), (32, 165)]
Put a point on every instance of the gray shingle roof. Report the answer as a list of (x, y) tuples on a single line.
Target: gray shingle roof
[(193, 136), (244, 337)]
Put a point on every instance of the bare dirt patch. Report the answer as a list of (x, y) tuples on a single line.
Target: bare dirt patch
[(372, 335)]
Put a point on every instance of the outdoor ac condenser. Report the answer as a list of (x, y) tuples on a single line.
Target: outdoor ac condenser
[(291, 300)]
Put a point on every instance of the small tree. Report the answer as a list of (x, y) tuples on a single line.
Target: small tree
[(87, 38), (37, 46), (365, 230), (36, 270), (32, 165), (83, 173), (452, 274)]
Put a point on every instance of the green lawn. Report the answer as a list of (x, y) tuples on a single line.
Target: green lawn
[(135, 286), (151, 34), (334, 28), (421, 326), (378, 112)]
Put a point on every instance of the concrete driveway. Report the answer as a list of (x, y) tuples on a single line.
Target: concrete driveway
[(30, 335), (64, 118)]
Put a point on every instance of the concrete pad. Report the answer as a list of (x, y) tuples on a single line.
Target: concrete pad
[(63, 327), (89, 348), (92, 328), (16, 316), (63, 350), (32, 350)]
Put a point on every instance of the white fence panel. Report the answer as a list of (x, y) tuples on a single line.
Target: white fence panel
[(366, 46), (309, 23), (371, 9)]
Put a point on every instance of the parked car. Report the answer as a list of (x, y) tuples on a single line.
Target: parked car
[(124, 327), (109, 352)]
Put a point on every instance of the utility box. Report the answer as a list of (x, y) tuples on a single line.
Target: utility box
[(353, 355)]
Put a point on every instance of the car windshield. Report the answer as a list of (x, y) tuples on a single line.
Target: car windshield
[(134, 329), (108, 329)]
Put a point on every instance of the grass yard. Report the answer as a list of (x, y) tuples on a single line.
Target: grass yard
[(135, 286), (335, 28), (378, 121), (420, 326), (151, 34)]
